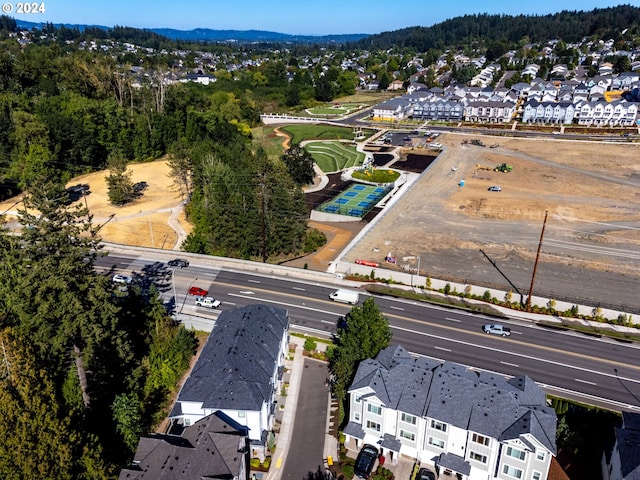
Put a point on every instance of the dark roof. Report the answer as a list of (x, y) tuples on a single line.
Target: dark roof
[(480, 402), (628, 442), (236, 366), (455, 463), (210, 448)]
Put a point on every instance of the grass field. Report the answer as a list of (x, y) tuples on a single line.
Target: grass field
[(300, 133), (334, 156), (337, 109), (356, 201)]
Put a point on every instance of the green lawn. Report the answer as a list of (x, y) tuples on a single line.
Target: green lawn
[(302, 132), (334, 156)]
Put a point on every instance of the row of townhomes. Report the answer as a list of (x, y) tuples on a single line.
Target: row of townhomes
[(596, 102), (467, 424), (225, 411)]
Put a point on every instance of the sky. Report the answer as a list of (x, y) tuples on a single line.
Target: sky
[(296, 17)]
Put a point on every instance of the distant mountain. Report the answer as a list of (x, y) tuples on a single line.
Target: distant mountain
[(209, 35)]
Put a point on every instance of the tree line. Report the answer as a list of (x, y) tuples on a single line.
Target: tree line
[(484, 30)]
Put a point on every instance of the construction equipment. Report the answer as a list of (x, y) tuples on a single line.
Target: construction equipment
[(504, 168), (483, 167), (479, 143)]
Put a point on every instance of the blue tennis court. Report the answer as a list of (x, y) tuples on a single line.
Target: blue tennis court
[(355, 201)]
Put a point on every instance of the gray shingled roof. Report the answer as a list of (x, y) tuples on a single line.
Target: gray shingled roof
[(210, 448), (481, 402), (236, 366)]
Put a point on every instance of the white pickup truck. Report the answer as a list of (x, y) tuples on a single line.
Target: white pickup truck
[(497, 330), (208, 302)]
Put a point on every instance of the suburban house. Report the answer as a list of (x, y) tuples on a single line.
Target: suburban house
[(239, 373), (623, 462), (466, 424), (214, 447)]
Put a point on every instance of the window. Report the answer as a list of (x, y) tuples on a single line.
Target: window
[(515, 453), (373, 426), (374, 409), (536, 476), (356, 416), (477, 457), (436, 442), (482, 440), (408, 418), (241, 414), (540, 455), (438, 425), (512, 471), (358, 397), (408, 435)]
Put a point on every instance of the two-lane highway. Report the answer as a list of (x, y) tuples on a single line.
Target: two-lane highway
[(593, 370)]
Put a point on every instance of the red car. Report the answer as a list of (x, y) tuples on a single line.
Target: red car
[(198, 291)]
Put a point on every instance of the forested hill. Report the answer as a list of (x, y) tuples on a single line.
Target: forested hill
[(484, 29)]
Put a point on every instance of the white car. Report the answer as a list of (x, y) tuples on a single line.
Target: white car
[(435, 145), (454, 168), (121, 278), (495, 188), (208, 302)]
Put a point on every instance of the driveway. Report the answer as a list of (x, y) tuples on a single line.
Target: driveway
[(309, 428)]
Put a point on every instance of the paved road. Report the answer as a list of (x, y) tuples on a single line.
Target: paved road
[(307, 440)]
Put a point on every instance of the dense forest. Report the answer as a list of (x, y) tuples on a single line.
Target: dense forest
[(484, 29)]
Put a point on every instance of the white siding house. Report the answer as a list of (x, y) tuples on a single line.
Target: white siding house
[(238, 372), (469, 424)]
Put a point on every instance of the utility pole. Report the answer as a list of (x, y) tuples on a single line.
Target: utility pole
[(535, 265), (263, 220)]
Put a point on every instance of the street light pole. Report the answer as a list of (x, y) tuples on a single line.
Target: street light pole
[(173, 282)]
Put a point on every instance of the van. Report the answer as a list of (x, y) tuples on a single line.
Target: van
[(345, 296)]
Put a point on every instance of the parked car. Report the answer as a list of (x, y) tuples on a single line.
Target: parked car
[(121, 278), (178, 262), (497, 330), (495, 188), (425, 474), (365, 461), (435, 145), (198, 292), (208, 302)]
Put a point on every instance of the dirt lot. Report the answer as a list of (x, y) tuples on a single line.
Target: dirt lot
[(591, 248), (146, 221)]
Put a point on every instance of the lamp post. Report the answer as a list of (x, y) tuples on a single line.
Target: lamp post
[(173, 282), (418, 281)]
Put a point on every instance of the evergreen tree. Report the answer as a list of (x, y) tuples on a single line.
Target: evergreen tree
[(364, 332), (119, 180)]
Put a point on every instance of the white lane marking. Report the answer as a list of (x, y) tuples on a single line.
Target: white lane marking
[(585, 381), (453, 319), (300, 289), (247, 292), (396, 308), (253, 281), (510, 364), (442, 348)]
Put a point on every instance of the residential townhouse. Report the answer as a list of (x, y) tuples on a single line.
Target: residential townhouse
[(439, 109), (214, 447), (392, 110), (623, 461), (489, 111), (599, 113), (239, 373), (548, 112), (467, 424)]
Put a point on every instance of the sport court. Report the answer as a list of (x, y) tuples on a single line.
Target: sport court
[(356, 201)]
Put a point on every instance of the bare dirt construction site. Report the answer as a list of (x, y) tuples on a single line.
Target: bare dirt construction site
[(591, 246)]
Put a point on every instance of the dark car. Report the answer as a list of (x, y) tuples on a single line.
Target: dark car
[(365, 461), (425, 474), (178, 262), (197, 291)]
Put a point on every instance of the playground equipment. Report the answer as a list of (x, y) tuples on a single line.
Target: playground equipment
[(504, 168)]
